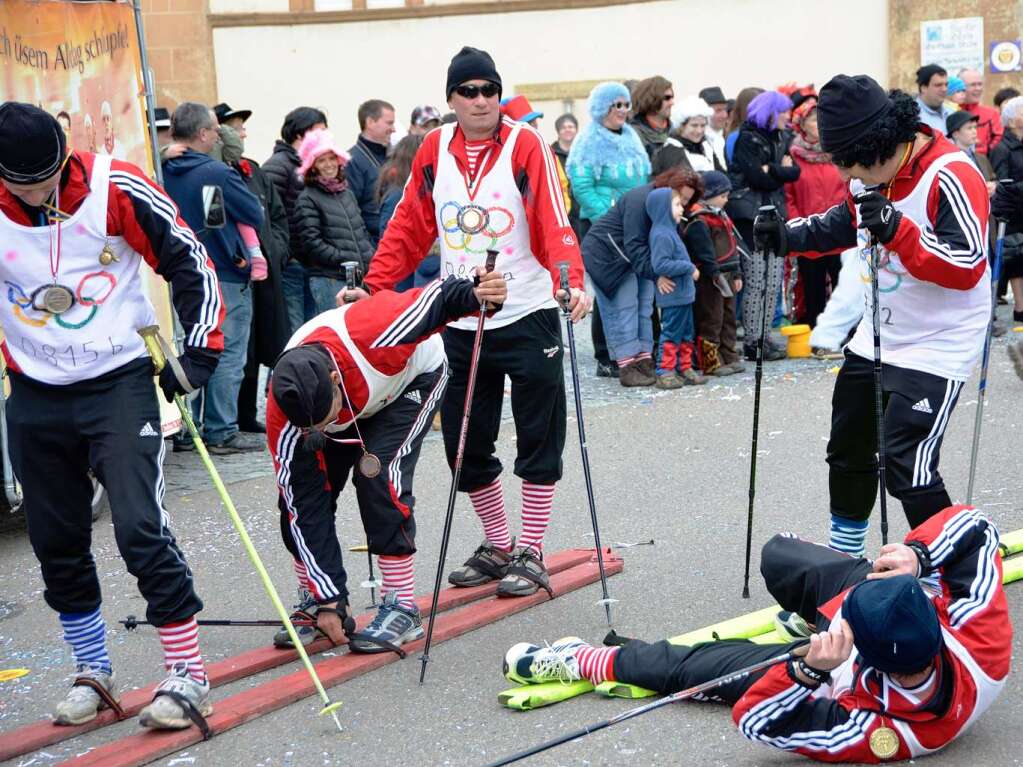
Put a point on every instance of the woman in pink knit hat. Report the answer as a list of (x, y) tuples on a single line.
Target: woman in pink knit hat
[(327, 219)]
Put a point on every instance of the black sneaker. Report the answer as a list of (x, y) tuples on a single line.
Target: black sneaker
[(183, 443), (608, 370), (238, 443), (395, 624)]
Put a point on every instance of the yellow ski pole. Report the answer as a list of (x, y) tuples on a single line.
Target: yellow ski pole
[(151, 337)]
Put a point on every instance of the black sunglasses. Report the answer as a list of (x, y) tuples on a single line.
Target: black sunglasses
[(489, 90)]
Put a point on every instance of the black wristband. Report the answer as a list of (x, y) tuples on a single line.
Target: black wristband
[(923, 556), (816, 675)]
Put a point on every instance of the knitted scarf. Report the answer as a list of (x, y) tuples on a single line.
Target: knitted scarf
[(804, 150), (601, 151), (331, 185)]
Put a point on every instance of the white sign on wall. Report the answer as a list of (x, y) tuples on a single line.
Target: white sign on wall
[(953, 43)]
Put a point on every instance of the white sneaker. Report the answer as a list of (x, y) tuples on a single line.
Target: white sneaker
[(527, 663), (167, 711), (83, 702)]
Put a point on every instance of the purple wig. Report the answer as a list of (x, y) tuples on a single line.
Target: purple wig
[(764, 108)]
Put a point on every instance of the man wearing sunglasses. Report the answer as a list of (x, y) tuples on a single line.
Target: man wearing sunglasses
[(924, 205), (355, 393), (489, 183)]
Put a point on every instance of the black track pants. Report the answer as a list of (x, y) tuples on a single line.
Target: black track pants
[(917, 408), (111, 424), (799, 574), (386, 503), (530, 353)]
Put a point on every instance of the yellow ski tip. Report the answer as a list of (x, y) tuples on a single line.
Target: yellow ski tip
[(10, 674)]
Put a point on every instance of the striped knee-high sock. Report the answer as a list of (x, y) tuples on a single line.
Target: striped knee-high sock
[(537, 501), (302, 574), (87, 635), (597, 664), (488, 503), (180, 643), (398, 576), (848, 535)]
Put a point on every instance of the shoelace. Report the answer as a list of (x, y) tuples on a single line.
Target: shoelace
[(551, 664)]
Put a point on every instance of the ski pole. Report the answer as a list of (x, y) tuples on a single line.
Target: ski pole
[(659, 703), (131, 622), (768, 211), (162, 356), (875, 300), (982, 389), (606, 601), (456, 473)]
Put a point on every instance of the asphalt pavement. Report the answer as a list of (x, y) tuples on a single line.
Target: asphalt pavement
[(667, 466)]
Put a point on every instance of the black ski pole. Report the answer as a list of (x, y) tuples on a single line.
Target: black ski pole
[(875, 300), (351, 283), (659, 703), (767, 211), (606, 601), (456, 473), (131, 622), (986, 357)]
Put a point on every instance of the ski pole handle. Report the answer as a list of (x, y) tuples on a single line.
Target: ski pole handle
[(350, 268), (491, 260), (565, 288), (151, 338)]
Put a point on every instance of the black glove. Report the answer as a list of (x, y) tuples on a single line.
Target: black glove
[(198, 365), (878, 215), (1007, 204), (769, 234)]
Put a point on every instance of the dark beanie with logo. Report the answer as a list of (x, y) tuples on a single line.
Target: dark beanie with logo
[(471, 64), (894, 624)]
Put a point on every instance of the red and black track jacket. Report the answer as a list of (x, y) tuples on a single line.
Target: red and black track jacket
[(412, 230), (141, 212), (833, 722)]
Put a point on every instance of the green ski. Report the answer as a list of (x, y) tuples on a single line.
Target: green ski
[(1012, 543), (526, 697)]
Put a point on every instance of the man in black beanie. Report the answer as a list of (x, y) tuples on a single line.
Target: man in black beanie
[(919, 199), (355, 393), (77, 228), (487, 183), (907, 651)]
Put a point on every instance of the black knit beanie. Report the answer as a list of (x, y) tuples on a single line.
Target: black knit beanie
[(894, 624), (301, 385), (32, 144), (471, 64), (847, 109)]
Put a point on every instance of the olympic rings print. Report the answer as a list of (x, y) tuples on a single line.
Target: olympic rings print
[(885, 267), (93, 290), (470, 220)]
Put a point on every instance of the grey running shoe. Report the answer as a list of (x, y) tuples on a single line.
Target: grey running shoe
[(305, 614), (488, 563), (526, 574), (83, 701), (177, 701), (395, 624), (669, 381)]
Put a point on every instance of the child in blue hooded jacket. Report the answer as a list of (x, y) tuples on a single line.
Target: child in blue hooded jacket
[(670, 260)]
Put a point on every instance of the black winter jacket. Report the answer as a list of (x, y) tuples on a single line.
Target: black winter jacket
[(751, 186), (331, 231), (282, 168)]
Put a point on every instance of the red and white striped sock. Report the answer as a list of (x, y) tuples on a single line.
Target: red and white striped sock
[(302, 574), (626, 361), (537, 501), (644, 356), (488, 503), (597, 664), (398, 577), (180, 643)]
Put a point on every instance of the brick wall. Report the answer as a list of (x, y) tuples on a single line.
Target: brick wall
[(180, 46), (1003, 20)]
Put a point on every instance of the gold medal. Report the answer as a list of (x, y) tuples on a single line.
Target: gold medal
[(369, 465), (884, 743), (107, 257)]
